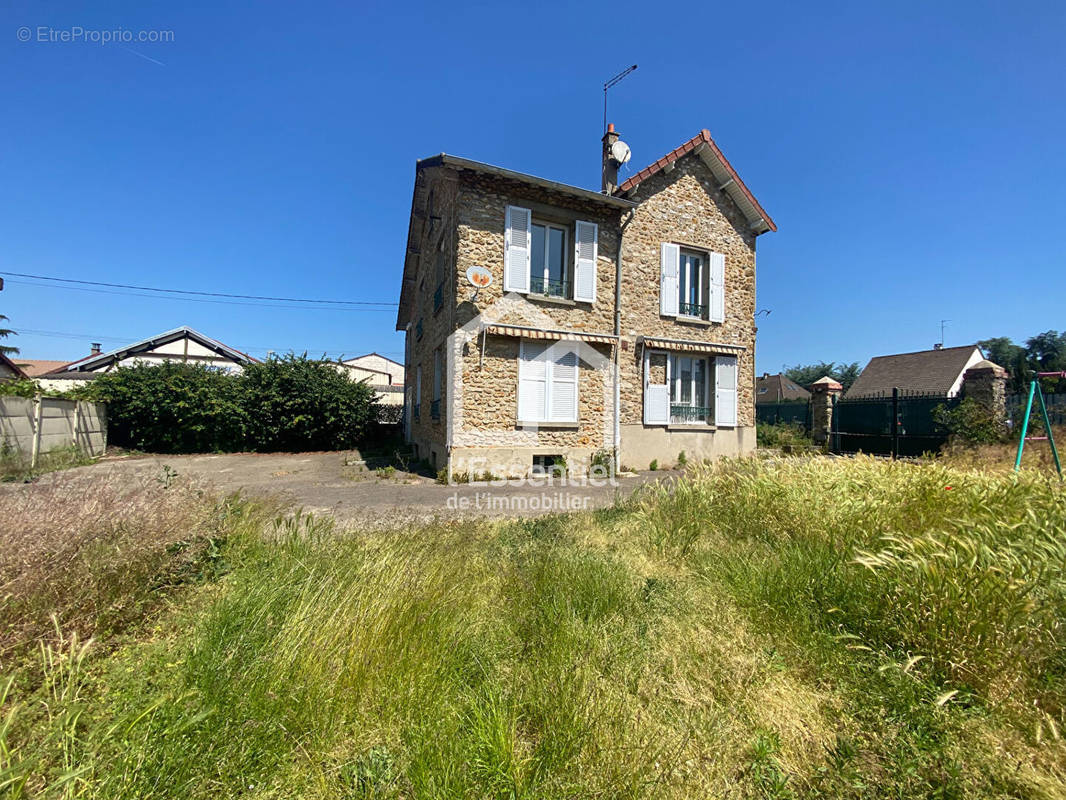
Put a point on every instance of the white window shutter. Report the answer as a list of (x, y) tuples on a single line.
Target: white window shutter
[(585, 252), (532, 382), (517, 241), (669, 267), (563, 390), (656, 398), (717, 287), (725, 391)]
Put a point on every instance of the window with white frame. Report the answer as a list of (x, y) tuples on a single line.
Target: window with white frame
[(551, 259), (690, 390), (692, 281), (687, 389), (549, 272), (547, 382)]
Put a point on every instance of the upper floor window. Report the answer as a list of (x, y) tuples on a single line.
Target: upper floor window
[(539, 259), (692, 283), (549, 273)]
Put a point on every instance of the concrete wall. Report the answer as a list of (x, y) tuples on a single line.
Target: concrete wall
[(641, 445), (63, 423)]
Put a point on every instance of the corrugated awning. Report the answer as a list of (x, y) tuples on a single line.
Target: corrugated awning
[(691, 346), (522, 332)]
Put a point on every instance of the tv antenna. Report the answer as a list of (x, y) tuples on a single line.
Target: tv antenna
[(943, 324), (609, 84)]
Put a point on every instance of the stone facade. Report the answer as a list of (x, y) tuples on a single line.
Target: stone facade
[(459, 221), (685, 206)]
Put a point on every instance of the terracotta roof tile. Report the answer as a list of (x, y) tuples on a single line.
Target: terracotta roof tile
[(703, 137)]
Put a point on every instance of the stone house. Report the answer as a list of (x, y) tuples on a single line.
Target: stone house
[(615, 325)]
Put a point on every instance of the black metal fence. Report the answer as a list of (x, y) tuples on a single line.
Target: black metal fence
[(1056, 408), (898, 424), (789, 412)]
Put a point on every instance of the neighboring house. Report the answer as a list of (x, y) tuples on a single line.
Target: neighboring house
[(373, 363), (181, 344), (384, 374), (777, 388), (938, 371), (36, 367), (557, 357), (9, 370)]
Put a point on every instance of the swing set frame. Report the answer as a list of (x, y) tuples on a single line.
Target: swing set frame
[(1037, 392)]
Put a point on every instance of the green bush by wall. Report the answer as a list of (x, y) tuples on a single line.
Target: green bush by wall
[(285, 403)]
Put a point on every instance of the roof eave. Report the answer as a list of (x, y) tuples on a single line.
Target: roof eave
[(443, 159)]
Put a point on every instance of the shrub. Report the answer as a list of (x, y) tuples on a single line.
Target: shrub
[(785, 436), (173, 407), (296, 403), (289, 403), (654, 465), (970, 422)]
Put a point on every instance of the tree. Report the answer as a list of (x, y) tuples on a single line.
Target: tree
[(7, 349), (1012, 357), (806, 374), (1047, 351)]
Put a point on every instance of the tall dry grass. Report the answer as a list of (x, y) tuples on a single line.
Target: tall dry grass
[(787, 628), (93, 555)]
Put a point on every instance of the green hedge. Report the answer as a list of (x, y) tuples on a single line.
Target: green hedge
[(289, 403)]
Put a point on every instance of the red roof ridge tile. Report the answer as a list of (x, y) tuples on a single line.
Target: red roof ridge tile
[(703, 137)]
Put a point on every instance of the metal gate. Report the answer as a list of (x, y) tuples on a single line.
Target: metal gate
[(789, 412), (900, 424)]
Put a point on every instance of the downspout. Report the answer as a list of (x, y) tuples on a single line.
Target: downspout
[(618, 344)]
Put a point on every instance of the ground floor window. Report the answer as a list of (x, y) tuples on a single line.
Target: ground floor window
[(690, 390)]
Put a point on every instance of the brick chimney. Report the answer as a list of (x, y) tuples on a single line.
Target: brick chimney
[(610, 168), (94, 348)]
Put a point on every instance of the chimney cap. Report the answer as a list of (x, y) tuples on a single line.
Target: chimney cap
[(610, 127), (94, 348)]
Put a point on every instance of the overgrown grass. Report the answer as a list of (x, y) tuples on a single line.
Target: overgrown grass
[(783, 436), (801, 628), (15, 467)]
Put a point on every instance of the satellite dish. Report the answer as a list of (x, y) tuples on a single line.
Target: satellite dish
[(479, 277), (620, 152)]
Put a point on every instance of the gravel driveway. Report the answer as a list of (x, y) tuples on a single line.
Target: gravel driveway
[(338, 483)]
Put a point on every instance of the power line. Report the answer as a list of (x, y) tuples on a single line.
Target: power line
[(204, 294), (95, 337), (251, 304)]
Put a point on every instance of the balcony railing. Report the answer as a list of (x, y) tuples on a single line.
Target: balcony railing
[(438, 297), (549, 288), (693, 310), (684, 414), (434, 409)]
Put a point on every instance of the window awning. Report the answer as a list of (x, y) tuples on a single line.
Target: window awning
[(522, 332), (691, 346)]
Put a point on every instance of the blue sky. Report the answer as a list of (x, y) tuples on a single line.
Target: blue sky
[(912, 155)]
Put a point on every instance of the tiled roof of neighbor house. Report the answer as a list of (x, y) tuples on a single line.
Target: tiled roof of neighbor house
[(771, 388), (932, 371), (18, 369), (704, 145), (97, 360), (33, 367)]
